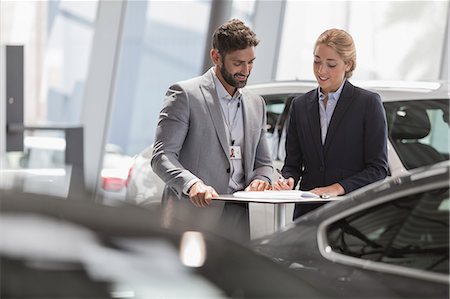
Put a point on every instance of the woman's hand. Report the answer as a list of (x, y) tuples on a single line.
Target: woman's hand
[(329, 191), (283, 184)]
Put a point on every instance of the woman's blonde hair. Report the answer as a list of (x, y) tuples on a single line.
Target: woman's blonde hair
[(342, 42)]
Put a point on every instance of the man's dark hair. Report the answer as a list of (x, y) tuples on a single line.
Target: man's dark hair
[(232, 36)]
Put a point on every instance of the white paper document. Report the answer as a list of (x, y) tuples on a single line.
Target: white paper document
[(275, 197), (272, 194)]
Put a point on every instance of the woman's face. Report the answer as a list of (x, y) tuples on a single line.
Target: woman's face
[(329, 68)]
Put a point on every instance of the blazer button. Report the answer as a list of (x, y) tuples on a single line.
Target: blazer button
[(228, 170)]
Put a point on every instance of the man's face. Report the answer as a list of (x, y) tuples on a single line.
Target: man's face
[(235, 68)]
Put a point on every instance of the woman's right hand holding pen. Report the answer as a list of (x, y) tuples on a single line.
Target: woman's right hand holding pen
[(283, 183)]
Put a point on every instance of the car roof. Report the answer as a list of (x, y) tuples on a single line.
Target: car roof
[(388, 90), (437, 174), (375, 193)]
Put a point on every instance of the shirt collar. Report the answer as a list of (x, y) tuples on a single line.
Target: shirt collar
[(332, 95), (222, 93)]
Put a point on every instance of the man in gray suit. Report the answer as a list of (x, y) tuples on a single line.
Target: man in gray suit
[(211, 136)]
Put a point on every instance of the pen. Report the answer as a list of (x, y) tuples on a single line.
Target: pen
[(323, 196)]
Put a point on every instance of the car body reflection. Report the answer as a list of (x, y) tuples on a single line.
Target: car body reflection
[(387, 240)]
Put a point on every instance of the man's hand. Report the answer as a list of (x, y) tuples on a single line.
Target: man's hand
[(283, 184), (201, 195), (258, 185)]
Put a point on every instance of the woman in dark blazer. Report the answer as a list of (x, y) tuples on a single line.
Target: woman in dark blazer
[(337, 133)]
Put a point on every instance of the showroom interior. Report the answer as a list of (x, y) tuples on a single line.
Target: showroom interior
[(82, 84), (98, 70)]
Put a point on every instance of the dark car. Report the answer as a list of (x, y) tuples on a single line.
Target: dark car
[(72, 248), (387, 240)]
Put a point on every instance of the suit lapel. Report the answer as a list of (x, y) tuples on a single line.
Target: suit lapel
[(343, 104), (248, 136), (213, 104), (314, 122)]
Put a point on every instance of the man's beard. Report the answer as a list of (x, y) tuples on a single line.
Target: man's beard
[(229, 78)]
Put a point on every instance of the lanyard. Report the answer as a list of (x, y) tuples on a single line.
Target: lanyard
[(231, 125)]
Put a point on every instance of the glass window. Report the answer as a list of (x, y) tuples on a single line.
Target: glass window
[(411, 231), (419, 130), (244, 10), (57, 37), (395, 40), (161, 44)]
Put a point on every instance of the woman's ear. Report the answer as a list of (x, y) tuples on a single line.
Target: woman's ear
[(348, 66)]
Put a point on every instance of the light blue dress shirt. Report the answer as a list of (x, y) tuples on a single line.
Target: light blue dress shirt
[(327, 112)]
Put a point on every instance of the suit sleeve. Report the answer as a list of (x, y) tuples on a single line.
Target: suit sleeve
[(375, 147), (171, 131), (294, 153), (263, 161)]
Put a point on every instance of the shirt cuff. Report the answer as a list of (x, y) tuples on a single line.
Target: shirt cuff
[(188, 185)]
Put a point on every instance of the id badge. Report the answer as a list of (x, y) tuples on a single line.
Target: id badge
[(234, 152)]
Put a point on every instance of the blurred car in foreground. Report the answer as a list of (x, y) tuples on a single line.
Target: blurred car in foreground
[(387, 240), (73, 248)]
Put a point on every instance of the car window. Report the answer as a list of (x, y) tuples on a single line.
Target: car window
[(419, 131), (412, 231), (277, 116), (275, 105)]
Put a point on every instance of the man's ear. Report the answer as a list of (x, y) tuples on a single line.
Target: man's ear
[(215, 56)]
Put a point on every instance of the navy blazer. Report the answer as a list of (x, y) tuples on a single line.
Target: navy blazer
[(355, 150)]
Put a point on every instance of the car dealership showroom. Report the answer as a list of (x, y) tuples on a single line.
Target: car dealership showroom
[(121, 175)]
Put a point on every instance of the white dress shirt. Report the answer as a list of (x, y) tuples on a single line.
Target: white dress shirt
[(234, 126)]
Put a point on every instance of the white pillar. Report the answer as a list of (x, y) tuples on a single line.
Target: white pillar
[(2, 108), (99, 88), (220, 13), (268, 26)]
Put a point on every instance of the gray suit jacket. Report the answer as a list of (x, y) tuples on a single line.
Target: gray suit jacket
[(191, 140)]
